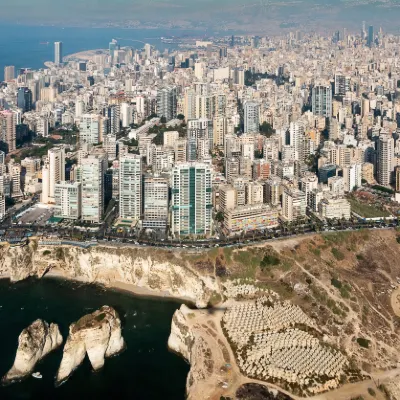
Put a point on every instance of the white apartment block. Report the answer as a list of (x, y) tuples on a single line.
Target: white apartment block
[(334, 208), (92, 171), (294, 204), (68, 197), (130, 187)]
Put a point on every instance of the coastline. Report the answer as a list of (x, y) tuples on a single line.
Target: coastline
[(129, 288)]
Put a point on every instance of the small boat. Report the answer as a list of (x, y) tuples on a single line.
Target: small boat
[(37, 375)]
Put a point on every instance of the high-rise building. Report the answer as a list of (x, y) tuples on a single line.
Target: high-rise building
[(52, 173), (147, 50), (251, 117), (92, 128), (58, 54), (113, 115), (91, 175), (294, 203), (385, 159), (8, 130), (167, 102), (9, 73), (113, 47), (68, 199), (126, 115), (200, 139), (342, 84), (130, 187), (24, 99), (155, 202), (220, 127), (191, 203), (110, 146), (322, 101), (352, 177), (370, 38)]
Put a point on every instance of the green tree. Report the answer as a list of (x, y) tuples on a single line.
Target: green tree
[(163, 120), (266, 129), (220, 216), (180, 117)]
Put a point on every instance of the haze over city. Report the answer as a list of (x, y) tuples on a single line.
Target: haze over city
[(243, 15)]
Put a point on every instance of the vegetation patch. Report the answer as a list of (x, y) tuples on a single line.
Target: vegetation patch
[(367, 210), (383, 189), (362, 342), (337, 254), (269, 260), (46, 252)]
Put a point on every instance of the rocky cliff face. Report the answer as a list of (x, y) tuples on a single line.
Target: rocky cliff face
[(97, 334), (34, 343), (187, 340), (153, 269)]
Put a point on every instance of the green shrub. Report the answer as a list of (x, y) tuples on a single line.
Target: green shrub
[(337, 254), (46, 252), (335, 282), (363, 342), (371, 392), (269, 260)]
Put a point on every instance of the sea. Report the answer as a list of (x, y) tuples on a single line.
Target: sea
[(146, 370), (31, 46)]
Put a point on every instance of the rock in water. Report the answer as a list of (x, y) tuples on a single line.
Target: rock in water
[(97, 334), (34, 342)]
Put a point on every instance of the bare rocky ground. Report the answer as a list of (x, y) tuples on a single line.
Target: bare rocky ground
[(347, 282)]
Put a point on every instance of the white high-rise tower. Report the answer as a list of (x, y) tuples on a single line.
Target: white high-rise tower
[(58, 56)]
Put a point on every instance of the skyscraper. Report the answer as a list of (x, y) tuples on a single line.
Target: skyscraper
[(92, 174), (9, 73), (370, 38), (8, 129), (58, 56), (24, 99), (191, 203), (113, 47), (322, 101), (251, 117), (167, 102), (56, 158), (385, 159), (130, 186)]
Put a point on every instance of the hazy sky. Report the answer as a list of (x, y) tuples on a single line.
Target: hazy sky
[(70, 12)]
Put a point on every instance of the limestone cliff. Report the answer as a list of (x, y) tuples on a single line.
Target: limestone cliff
[(154, 269), (34, 343), (187, 340), (98, 335)]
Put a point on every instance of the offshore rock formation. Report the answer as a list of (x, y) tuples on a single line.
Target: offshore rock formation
[(34, 343), (97, 334), (158, 270)]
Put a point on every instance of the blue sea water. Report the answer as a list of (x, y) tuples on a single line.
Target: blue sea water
[(20, 45), (146, 370)]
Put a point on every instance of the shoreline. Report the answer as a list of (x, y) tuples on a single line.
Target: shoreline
[(129, 288)]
